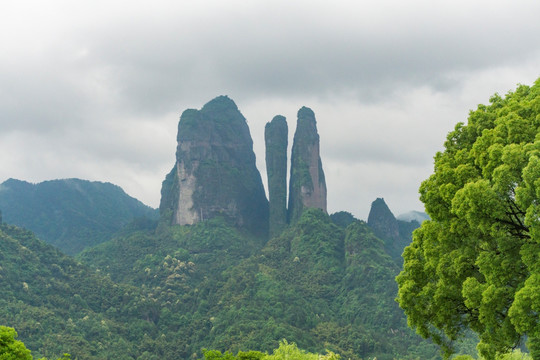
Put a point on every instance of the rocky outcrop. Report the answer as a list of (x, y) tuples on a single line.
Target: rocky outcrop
[(386, 227), (276, 140), (382, 221), (307, 188), (215, 172)]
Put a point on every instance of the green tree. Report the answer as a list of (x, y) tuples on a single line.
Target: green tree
[(476, 263), (287, 351), (10, 348)]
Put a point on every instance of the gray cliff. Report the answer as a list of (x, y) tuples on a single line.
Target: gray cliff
[(215, 172)]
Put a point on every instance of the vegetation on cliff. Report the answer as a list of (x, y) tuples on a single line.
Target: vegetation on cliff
[(317, 284)]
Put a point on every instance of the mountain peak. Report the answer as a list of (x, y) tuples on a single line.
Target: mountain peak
[(220, 103), (383, 222)]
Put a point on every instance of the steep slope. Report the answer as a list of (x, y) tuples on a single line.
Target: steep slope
[(215, 172), (57, 305), (70, 214)]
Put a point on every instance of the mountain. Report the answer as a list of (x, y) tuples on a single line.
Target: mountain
[(218, 286), (215, 172), (419, 216), (71, 214), (208, 275)]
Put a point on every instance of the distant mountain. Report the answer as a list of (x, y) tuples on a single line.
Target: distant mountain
[(413, 215), (70, 214), (307, 186), (395, 233)]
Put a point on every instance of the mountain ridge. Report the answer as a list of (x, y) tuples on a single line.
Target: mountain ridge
[(71, 214)]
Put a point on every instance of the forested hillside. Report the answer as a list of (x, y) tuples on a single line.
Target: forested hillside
[(71, 214), (169, 292), (58, 305), (317, 284)]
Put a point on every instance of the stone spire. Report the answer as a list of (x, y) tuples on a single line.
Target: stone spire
[(307, 188), (276, 141)]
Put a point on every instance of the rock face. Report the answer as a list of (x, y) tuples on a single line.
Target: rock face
[(307, 188), (276, 141), (215, 172)]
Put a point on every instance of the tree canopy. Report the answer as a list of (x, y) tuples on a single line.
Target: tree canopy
[(10, 347), (285, 351), (476, 264)]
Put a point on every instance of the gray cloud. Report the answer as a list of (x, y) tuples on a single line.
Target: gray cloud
[(95, 90)]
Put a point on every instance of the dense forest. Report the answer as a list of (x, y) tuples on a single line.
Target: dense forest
[(170, 291)]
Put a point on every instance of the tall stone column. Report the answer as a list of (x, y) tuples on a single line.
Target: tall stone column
[(276, 141), (307, 187)]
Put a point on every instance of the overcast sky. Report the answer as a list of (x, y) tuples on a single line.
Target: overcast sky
[(94, 89)]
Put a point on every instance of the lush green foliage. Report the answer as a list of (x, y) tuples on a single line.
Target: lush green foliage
[(58, 305), (342, 219), (168, 293), (71, 214), (10, 348), (317, 284), (476, 264), (514, 355), (285, 351)]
